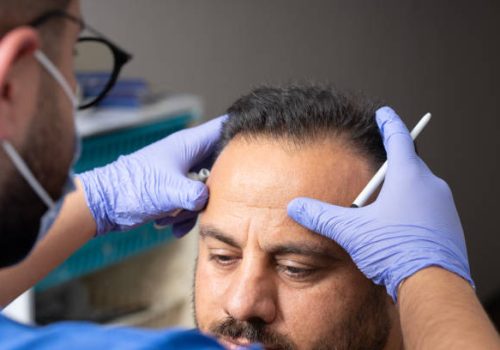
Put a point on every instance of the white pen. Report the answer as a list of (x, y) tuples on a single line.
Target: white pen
[(377, 179)]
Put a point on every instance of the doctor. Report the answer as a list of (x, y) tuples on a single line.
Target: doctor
[(421, 258)]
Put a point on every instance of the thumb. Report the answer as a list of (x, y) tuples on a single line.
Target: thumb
[(326, 219), (189, 194)]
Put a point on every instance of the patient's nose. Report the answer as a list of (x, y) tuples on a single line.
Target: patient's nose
[(252, 294)]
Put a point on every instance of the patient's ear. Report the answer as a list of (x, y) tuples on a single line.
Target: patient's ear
[(16, 57)]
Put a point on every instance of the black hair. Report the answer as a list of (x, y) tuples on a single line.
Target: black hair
[(304, 113)]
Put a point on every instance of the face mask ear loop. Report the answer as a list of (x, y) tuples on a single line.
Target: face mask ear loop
[(27, 174), (52, 70), (10, 150)]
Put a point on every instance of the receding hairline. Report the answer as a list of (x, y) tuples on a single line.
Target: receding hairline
[(301, 114), (339, 140)]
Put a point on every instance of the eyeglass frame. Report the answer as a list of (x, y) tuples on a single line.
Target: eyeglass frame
[(120, 56)]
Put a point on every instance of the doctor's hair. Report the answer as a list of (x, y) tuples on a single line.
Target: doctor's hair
[(303, 114), (15, 13)]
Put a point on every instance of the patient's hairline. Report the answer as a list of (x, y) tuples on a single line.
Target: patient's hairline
[(290, 144), (300, 114)]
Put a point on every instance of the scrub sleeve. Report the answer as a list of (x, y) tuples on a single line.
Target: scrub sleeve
[(83, 335)]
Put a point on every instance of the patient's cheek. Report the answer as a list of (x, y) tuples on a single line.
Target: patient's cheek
[(330, 298), (209, 291)]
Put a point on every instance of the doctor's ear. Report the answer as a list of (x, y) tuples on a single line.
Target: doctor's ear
[(15, 47)]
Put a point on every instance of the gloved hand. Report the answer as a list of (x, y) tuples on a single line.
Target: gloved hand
[(151, 183), (413, 223)]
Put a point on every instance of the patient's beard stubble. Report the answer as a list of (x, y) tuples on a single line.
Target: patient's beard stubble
[(365, 327)]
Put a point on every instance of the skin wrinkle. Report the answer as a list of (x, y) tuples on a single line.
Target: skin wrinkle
[(334, 306), (302, 248)]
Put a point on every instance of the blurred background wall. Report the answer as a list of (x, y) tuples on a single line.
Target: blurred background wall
[(418, 56)]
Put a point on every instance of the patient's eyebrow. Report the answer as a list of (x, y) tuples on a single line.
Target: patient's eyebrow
[(212, 232), (304, 249), (298, 248)]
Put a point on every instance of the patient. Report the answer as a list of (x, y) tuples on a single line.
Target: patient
[(260, 277)]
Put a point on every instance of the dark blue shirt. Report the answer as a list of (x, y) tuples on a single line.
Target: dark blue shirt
[(83, 335)]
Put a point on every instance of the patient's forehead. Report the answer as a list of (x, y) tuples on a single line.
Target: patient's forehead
[(262, 171), (253, 180)]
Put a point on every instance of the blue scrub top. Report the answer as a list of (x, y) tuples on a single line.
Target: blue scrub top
[(83, 335)]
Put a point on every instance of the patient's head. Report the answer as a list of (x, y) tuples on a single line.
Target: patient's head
[(260, 276)]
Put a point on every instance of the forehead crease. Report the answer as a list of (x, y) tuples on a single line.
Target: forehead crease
[(282, 245), (273, 175), (236, 199)]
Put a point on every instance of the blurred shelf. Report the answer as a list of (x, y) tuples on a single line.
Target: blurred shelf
[(104, 140)]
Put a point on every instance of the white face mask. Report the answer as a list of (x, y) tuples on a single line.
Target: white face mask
[(54, 207)]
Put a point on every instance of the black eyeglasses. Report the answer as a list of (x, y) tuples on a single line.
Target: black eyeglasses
[(98, 61)]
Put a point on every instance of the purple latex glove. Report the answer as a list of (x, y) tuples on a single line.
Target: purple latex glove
[(413, 224), (151, 183)]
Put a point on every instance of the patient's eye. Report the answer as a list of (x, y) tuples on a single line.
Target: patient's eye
[(223, 258), (295, 272)]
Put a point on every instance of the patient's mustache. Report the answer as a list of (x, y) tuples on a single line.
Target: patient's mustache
[(254, 331)]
